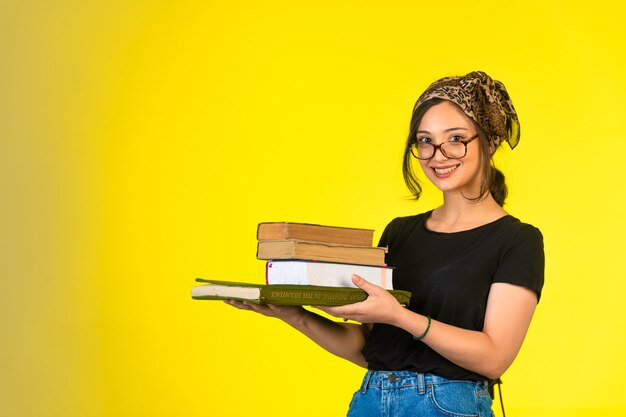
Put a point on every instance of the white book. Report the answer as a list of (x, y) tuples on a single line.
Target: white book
[(330, 274)]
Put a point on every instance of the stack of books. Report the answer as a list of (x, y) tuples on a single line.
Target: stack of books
[(309, 264), (310, 254)]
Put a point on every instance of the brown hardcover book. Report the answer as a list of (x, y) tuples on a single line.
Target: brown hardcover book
[(314, 233), (319, 251)]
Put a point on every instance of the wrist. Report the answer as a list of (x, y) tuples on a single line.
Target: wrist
[(417, 325), (425, 332), (402, 318)]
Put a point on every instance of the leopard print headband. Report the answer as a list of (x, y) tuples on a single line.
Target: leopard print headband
[(483, 100)]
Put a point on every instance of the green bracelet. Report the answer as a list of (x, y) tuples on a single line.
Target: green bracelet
[(423, 335)]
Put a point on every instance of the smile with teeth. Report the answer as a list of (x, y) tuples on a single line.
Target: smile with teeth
[(442, 171)]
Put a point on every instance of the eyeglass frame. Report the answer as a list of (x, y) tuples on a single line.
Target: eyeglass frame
[(439, 147)]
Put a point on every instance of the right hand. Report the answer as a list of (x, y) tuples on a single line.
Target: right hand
[(285, 313)]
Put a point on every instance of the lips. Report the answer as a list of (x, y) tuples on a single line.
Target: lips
[(442, 171)]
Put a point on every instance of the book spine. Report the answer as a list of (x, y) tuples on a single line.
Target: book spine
[(314, 233), (323, 296), (318, 251), (292, 296)]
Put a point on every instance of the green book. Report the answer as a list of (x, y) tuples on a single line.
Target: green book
[(279, 294)]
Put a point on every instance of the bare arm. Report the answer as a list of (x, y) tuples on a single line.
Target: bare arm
[(488, 352), (341, 339)]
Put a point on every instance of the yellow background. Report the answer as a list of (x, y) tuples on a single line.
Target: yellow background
[(142, 142)]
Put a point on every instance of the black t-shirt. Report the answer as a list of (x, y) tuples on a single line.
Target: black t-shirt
[(450, 275)]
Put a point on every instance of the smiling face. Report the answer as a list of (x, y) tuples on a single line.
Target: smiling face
[(444, 122)]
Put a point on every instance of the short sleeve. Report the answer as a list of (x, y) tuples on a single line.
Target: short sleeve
[(523, 261), (384, 238), (396, 230)]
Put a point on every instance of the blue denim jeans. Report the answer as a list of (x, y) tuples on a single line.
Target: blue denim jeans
[(404, 394)]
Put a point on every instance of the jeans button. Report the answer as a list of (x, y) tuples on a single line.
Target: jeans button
[(393, 378)]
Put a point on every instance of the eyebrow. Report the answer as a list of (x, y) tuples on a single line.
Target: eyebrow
[(451, 129)]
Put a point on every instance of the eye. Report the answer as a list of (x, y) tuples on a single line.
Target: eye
[(456, 138), (423, 139)]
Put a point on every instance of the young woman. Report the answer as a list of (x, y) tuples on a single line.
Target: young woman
[(476, 272)]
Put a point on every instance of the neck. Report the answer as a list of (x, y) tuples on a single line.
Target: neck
[(459, 213)]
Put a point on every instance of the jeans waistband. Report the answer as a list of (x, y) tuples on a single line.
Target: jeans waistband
[(401, 379)]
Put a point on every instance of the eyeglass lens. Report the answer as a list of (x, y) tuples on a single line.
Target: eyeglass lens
[(425, 150)]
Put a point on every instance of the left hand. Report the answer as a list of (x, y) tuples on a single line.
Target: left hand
[(288, 314), (379, 307)]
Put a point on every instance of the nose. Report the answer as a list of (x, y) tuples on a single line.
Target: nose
[(438, 154)]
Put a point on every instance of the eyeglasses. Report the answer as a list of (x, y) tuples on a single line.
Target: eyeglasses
[(453, 150)]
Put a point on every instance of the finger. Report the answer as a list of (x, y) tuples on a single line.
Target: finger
[(326, 309), (259, 308), (244, 305), (282, 308), (323, 308), (364, 284), (275, 307), (237, 304), (338, 311)]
